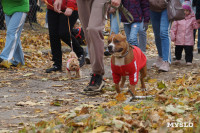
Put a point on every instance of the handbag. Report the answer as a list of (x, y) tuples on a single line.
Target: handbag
[(158, 5), (175, 11)]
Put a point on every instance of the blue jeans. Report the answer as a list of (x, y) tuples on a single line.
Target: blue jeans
[(13, 50), (114, 27), (142, 38), (161, 28), (198, 42), (131, 31)]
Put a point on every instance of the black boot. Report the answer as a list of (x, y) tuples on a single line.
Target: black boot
[(81, 60), (54, 68)]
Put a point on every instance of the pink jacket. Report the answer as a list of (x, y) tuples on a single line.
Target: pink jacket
[(182, 30)]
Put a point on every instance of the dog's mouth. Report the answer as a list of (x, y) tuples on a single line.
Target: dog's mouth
[(119, 50), (115, 51)]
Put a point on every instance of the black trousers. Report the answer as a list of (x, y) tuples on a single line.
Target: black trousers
[(59, 30), (32, 15), (188, 52), (2, 18)]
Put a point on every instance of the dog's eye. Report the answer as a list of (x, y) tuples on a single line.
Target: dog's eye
[(116, 41)]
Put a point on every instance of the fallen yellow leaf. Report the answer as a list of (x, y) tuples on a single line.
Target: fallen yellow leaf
[(120, 97), (98, 129)]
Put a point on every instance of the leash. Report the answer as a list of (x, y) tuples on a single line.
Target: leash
[(70, 34), (46, 2), (121, 8)]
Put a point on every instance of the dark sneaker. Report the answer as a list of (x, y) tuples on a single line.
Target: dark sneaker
[(96, 84), (1, 60), (16, 65), (107, 53), (2, 28), (87, 60), (105, 33), (81, 60), (54, 68)]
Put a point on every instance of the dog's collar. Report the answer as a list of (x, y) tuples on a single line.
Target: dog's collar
[(126, 52)]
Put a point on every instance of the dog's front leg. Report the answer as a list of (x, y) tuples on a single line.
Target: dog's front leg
[(78, 74), (117, 88), (143, 73), (123, 81), (132, 89), (69, 74)]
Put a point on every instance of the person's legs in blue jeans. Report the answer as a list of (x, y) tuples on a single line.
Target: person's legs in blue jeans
[(18, 56), (127, 29), (131, 31), (161, 27), (165, 37), (142, 38), (114, 26), (13, 47), (155, 20), (87, 57)]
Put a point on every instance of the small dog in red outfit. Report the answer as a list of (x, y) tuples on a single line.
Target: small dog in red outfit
[(126, 60)]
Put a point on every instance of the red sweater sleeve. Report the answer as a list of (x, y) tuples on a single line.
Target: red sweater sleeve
[(72, 4)]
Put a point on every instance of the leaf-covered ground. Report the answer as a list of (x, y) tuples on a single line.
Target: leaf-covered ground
[(33, 101)]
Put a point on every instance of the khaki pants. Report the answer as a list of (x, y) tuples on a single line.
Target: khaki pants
[(92, 20)]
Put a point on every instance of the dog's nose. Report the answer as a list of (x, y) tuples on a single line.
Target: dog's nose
[(110, 47)]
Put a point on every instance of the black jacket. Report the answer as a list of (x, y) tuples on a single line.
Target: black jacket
[(197, 4)]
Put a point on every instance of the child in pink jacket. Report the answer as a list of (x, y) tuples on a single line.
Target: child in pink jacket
[(182, 34)]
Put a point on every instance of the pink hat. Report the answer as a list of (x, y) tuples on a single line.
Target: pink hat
[(186, 5)]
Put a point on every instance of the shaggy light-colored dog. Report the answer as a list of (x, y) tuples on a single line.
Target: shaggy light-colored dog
[(73, 65)]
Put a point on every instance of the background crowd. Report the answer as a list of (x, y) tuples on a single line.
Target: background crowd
[(63, 14)]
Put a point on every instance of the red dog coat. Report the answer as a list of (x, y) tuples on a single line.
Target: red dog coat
[(132, 69)]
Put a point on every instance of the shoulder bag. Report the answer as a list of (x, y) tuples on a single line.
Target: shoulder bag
[(158, 5), (175, 11)]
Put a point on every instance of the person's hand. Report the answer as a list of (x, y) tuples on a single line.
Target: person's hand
[(57, 6), (115, 3), (198, 21), (111, 10), (68, 12), (145, 26)]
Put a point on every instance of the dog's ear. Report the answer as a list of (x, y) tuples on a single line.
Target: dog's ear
[(123, 33), (122, 37)]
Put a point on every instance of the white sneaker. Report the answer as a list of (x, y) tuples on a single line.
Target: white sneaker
[(46, 25), (164, 67), (177, 62), (158, 62), (189, 63)]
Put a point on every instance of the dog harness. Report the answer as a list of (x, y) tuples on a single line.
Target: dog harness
[(79, 33), (132, 69), (68, 61)]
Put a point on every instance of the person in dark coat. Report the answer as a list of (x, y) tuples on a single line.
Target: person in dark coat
[(196, 3)]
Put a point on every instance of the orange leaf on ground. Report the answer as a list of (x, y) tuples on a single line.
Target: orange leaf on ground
[(120, 97)]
